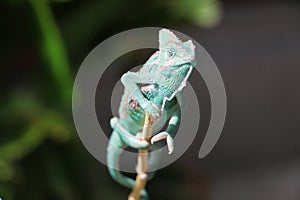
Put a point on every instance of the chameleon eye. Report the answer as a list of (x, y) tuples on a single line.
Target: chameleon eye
[(171, 53)]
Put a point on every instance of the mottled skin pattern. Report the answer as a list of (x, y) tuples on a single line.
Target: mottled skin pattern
[(155, 89)]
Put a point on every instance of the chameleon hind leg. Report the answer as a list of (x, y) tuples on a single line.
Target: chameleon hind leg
[(128, 138), (156, 144), (114, 150)]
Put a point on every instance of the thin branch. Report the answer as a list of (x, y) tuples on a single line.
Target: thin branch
[(142, 166)]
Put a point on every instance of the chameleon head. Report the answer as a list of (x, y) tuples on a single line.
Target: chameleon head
[(175, 61)]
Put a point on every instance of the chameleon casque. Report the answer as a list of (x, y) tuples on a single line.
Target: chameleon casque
[(155, 89)]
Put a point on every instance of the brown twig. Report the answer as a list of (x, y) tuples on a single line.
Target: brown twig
[(142, 166)]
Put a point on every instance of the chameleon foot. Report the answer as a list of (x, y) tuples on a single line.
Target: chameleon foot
[(151, 108), (162, 136), (128, 138)]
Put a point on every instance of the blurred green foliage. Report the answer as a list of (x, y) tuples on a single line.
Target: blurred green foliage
[(205, 13), (31, 165)]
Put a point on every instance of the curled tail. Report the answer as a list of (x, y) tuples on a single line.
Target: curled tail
[(114, 150)]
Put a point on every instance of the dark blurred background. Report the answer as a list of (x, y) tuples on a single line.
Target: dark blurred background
[(256, 46)]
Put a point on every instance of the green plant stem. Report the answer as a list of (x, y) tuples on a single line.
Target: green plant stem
[(54, 48)]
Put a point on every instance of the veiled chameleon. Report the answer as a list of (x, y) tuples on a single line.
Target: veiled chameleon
[(155, 89)]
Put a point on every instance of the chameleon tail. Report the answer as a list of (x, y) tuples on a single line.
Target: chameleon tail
[(114, 150)]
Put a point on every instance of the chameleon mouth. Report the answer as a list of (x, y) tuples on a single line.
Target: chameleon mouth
[(181, 65), (170, 93), (175, 84)]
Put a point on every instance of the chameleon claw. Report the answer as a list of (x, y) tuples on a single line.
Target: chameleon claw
[(167, 137), (142, 141), (139, 135), (170, 143)]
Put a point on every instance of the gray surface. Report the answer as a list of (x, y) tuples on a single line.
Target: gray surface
[(257, 50), (281, 182)]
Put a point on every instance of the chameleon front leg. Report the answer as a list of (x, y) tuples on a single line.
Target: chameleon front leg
[(127, 137), (169, 133)]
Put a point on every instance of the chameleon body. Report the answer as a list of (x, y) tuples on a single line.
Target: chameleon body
[(155, 89)]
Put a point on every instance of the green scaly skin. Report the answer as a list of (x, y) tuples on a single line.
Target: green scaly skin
[(155, 89)]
